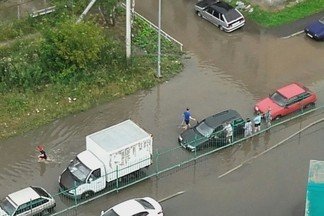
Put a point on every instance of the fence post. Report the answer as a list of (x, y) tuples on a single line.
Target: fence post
[(157, 162), (75, 197), (117, 180)]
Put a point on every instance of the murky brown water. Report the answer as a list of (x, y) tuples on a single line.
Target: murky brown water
[(225, 71)]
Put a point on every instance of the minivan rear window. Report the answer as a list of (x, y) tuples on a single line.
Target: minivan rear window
[(41, 192), (145, 204)]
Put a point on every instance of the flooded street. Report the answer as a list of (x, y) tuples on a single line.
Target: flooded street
[(224, 71)]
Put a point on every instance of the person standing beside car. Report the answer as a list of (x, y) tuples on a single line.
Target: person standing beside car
[(257, 122), (229, 132), (248, 128), (268, 117)]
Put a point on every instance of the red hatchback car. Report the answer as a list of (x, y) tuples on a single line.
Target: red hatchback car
[(286, 100)]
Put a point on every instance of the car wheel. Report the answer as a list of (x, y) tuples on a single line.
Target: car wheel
[(312, 105), (199, 14), (87, 194), (221, 28), (277, 117), (47, 211)]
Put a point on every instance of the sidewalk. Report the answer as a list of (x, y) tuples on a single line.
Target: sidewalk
[(296, 26)]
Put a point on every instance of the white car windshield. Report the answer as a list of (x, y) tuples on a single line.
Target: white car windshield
[(204, 129), (7, 207), (79, 170), (278, 99)]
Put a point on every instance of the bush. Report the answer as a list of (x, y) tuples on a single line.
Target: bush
[(69, 49)]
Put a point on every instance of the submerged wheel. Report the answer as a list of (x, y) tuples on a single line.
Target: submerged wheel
[(278, 117), (87, 194)]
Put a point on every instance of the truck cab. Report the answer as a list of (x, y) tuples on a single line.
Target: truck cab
[(111, 153), (84, 176)]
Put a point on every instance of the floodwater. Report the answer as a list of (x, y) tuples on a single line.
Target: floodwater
[(223, 71)]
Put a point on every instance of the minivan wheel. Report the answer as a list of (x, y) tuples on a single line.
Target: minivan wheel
[(87, 194), (47, 211)]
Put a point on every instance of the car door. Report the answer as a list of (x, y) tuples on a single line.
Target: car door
[(222, 20), (219, 136), (238, 127), (38, 205), (96, 181), (208, 15), (292, 105), (23, 210), (216, 18), (303, 99)]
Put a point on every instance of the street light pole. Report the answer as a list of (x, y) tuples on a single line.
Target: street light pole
[(159, 43), (128, 29)]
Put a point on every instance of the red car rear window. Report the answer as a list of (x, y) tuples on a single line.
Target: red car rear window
[(291, 90)]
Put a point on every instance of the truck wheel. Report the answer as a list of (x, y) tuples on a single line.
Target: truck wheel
[(87, 194)]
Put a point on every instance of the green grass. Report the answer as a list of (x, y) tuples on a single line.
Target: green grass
[(24, 110), (288, 14)]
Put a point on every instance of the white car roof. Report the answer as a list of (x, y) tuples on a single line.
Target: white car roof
[(124, 207), (23, 196)]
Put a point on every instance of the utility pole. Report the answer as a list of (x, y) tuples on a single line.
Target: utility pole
[(128, 29), (159, 43)]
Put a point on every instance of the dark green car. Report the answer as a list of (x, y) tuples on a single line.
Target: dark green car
[(210, 131)]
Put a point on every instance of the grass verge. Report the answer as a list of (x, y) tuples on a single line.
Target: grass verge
[(286, 15)]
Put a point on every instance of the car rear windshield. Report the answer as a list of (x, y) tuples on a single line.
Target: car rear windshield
[(41, 192), (111, 212), (145, 204), (232, 15)]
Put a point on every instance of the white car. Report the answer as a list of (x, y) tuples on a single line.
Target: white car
[(29, 201), (135, 207)]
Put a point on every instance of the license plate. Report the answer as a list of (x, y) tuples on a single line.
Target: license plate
[(309, 35)]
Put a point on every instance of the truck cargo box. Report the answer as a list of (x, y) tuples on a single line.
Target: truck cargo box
[(123, 145)]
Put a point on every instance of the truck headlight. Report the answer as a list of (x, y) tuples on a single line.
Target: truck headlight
[(191, 148), (72, 192)]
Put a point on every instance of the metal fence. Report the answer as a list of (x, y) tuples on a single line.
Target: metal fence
[(175, 158)]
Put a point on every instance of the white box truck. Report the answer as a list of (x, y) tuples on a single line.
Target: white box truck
[(111, 153)]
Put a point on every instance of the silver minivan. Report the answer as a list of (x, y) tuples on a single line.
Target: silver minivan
[(29, 201), (221, 14)]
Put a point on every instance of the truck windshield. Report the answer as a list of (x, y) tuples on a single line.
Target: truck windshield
[(79, 170), (7, 207)]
